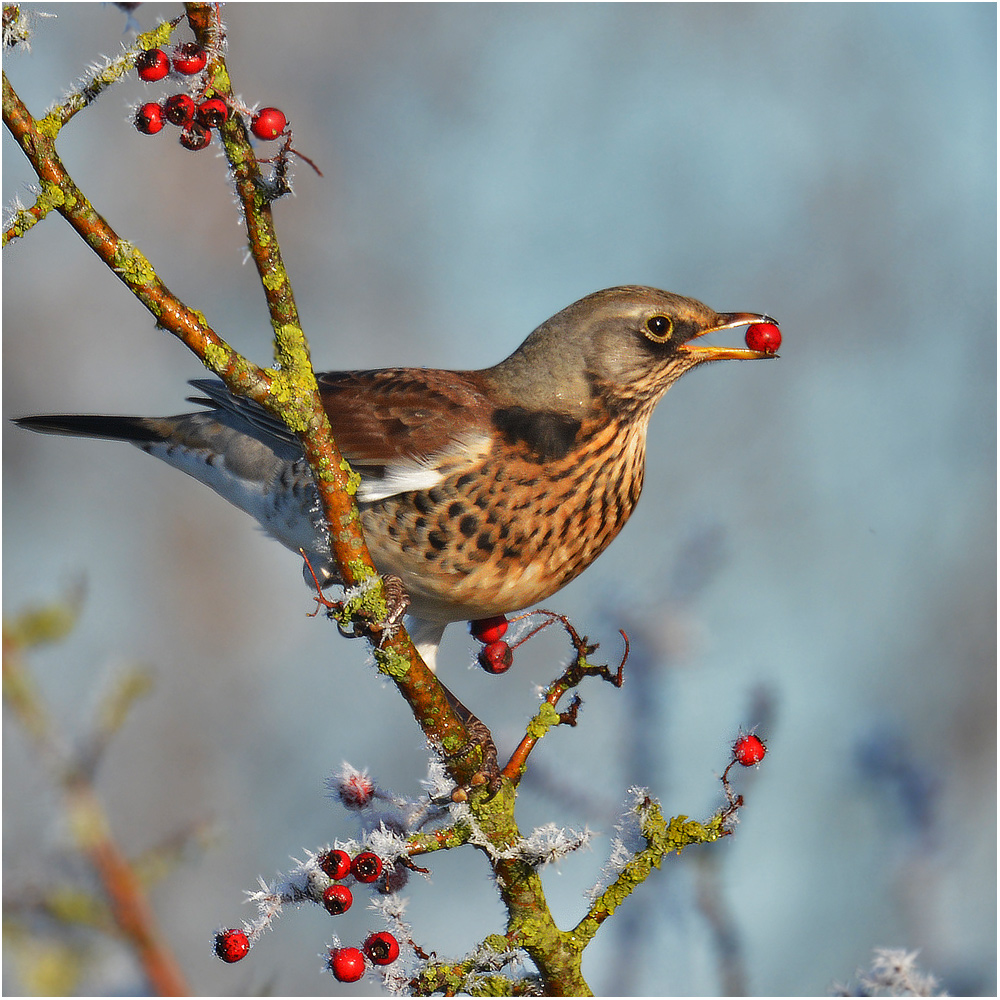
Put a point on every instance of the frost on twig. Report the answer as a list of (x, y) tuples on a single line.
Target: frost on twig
[(893, 973)]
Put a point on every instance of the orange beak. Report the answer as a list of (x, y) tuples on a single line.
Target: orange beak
[(727, 321)]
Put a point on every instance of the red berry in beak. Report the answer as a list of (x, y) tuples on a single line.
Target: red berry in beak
[(764, 337)]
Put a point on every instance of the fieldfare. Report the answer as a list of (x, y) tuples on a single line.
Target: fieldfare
[(484, 491)]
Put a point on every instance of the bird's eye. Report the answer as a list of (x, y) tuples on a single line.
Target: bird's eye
[(659, 327)]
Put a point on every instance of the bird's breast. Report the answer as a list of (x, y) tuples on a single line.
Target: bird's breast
[(515, 527)]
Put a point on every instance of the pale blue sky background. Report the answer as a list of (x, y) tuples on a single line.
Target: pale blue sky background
[(821, 528)]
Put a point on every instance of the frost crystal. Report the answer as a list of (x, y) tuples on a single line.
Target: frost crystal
[(551, 843), (626, 842), (893, 973)]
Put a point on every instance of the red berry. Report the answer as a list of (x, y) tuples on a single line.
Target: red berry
[(749, 750), (764, 337), (268, 123), (366, 867), (190, 58), (337, 899), (382, 948), (179, 109), (195, 137), (496, 657), (213, 112), (152, 65), (149, 119), (347, 964), (489, 629), (335, 863), (231, 945)]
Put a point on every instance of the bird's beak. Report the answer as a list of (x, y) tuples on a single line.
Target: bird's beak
[(727, 321)]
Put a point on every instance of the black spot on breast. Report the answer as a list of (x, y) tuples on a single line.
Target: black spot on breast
[(455, 509), (484, 542), (468, 525), (548, 435), (437, 539), (423, 503)]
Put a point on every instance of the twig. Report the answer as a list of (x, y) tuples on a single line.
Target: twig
[(91, 830)]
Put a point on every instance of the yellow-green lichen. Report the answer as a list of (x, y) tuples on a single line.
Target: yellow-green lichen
[(51, 196), (216, 358), (680, 832), (132, 265), (274, 279), (359, 570), (496, 943), (546, 718), (290, 349), (157, 36), (48, 126), (353, 478), (442, 980), (391, 663), (367, 603)]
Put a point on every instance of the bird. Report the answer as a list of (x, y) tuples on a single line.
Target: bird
[(484, 491)]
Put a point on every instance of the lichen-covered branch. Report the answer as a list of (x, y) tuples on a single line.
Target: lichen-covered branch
[(662, 837), (289, 390)]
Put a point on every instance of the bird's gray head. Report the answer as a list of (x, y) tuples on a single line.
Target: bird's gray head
[(624, 346)]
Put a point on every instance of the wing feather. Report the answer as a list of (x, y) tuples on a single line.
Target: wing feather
[(393, 425)]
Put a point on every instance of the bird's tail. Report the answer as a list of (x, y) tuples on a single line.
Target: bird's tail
[(138, 429)]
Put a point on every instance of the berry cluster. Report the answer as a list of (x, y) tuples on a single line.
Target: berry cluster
[(365, 867), (196, 115), (496, 656), (348, 964), (233, 944)]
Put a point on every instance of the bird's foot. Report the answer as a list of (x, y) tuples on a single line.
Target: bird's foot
[(489, 773)]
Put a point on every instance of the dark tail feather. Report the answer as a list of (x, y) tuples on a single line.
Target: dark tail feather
[(136, 429)]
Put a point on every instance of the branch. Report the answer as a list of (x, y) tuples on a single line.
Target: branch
[(289, 391), (547, 716), (87, 821)]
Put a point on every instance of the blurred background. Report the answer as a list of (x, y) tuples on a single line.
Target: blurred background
[(815, 548)]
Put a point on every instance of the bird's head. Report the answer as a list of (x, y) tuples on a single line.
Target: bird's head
[(624, 346)]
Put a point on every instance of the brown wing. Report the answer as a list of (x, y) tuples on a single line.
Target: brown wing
[(388, 415)]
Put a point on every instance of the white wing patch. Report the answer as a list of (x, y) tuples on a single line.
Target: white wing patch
[(405, 475), (400, 477)]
